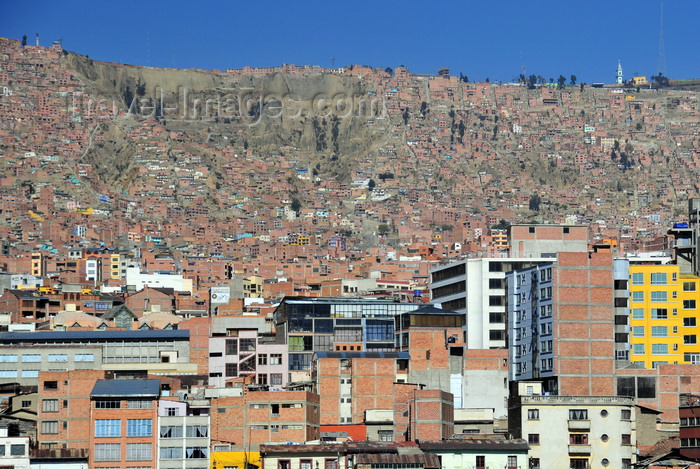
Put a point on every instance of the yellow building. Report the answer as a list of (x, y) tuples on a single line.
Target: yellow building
[(662, 315)]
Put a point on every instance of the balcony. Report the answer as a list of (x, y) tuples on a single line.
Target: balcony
[(579, 449), (579, 425)]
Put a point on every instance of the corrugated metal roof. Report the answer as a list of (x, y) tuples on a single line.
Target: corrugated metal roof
[(67, 336), (481, 444), (427, 460), (126, 387)]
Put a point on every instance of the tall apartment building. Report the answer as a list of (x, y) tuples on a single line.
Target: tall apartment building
[(663, 315), (183, 434), (476, 289), (561, 323)]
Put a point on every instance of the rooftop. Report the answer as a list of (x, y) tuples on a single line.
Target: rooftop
[(126, 388)]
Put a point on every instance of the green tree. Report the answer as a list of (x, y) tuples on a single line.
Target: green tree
[(573, 80), (24, 40), (371, 184), (383, 229), (561, 81), (535, 201), (296, 205), (389, 70)]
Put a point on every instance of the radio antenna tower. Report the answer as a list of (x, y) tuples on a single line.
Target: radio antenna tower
[(661, 61)]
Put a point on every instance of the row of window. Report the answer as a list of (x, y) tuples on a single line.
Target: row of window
[(15, 450), (660, 278), (662, 297), (105, 428), (51, 358), (134, 452), (580, 414)]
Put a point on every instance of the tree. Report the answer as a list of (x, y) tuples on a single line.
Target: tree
[(383, 229), (24, 40), (389, 70), (424, 108), (535, 201), (573, 80), (371, 184), (532, 81), (561, 81), (296, 205), (405, 116)]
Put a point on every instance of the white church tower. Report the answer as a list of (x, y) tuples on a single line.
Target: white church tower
[(618, 73)]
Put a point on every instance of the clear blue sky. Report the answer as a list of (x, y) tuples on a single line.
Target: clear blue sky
[(486, 38)]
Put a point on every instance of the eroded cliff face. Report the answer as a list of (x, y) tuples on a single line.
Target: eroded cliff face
[(328, 120)]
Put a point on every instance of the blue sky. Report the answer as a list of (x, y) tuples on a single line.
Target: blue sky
[(487, 38)]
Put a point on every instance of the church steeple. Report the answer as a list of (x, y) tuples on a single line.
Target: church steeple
[(618, 73)]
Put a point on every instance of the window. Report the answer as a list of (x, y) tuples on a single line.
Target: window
[(26, 403), (659, 313), (171, 453), (690, 339), (139, 451), (84, 357), (689, 286), (58, 357), (637, 313), (197, 452), (275, 409), (31, 358), (108, 404), (688, 304), (481, 460), (646, 387), (689, 322), (533, 438), (638, 278), (625, 414), (659, 331), (139, 427), (659, 349), (17, 450), (171, 431), (626, 439), (139, 404), (275, 359), (107, 452), (305, 464), (197, 431), (578, 439), (275, 379), (232, 369), (659, 278), (578, 414), (637, 331), (49, 427), (8, 358), (534, 463), (262, 359), (513, 460), (284, 464), (638, 349), (171, 411), (49, 405), (626, 463), (638, 296), (659, 296), (231, 346), (30, 373), (578, 463), (50, 385), (386, 435), (108, 428)]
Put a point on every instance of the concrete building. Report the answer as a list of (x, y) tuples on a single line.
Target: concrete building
[(23, 355), (183, 434), (574, 431), (479, 452), (14, 450)]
